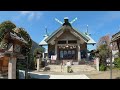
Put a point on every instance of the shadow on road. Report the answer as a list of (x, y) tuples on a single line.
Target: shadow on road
[(117, 78), (36, 76)]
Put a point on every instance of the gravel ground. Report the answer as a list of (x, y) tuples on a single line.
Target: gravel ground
[(89, 74), (105, 75)]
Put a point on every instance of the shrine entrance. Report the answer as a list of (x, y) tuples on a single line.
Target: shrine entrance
[(65, 54), (15, 43)]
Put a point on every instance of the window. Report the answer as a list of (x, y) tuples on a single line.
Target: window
[(61, 54), (72, 42), (61, 42), (65, 54)]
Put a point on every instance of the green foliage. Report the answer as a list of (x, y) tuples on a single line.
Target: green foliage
[(117, 62), (102, 67), (92, 54), (5, 27), (21, 64), (27, 48), (26, 36), (31, 62), (104, 53), (8, 26), (38, 50), (117, 54)]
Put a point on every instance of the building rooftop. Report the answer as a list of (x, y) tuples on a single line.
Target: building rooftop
[(43, 42), (115, 37), (86, 37), (91, 41)]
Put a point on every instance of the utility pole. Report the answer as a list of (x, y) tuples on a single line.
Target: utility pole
[(27, 63), (110, 62)]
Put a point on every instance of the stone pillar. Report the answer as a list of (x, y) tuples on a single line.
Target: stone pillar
[(43, 55), (56, 52), (12, 68), (97, 64), (56, 49), (79, 54), (87, 58), (38, 64)]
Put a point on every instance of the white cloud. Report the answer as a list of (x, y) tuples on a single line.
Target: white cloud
[(25, 12), (31, 15), (38, 16)]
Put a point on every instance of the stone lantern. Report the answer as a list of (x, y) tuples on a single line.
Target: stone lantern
[(38, 56)]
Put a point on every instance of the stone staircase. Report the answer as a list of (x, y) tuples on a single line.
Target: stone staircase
[(75, 68), (3, 76)]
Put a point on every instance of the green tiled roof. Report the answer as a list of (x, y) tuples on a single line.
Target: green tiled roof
[(91, 41), (43, 42)]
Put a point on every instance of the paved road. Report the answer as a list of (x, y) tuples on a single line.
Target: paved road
[(69, 77), (48, 76)]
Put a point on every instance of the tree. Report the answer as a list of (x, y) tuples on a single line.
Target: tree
[(25, 49), (38, 51), (92, 54), (103, 51), (104, 40), (5, 27), (23, 33)]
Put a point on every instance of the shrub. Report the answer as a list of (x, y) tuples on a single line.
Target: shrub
[(117, 62), (102, 67), (117, 53)]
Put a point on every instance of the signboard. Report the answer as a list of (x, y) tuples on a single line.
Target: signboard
[(1, 55), (17, 48), (53, 57), (21, 74)]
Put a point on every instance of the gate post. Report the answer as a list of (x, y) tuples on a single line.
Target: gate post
[(12, 68), (97, 64), (38, 64)]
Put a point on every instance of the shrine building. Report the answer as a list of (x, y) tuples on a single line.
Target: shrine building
[(67, 43)]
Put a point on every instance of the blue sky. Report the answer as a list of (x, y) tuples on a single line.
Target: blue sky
[(99, 23)]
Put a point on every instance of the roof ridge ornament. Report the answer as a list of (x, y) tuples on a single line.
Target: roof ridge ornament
[(73, 20), (46, 32), (87, 33), (66, 20)]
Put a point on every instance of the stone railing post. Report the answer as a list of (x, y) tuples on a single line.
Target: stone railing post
[(97, 64), (12, 68)]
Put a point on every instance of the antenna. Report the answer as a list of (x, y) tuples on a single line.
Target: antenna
[(58, 21), (73, 20)]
